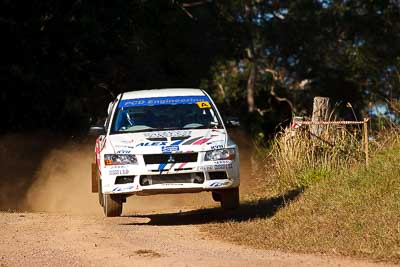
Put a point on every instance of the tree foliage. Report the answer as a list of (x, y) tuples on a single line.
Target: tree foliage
[(62, 61), (347, 50)]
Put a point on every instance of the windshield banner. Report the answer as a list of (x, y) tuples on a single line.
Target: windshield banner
[(158, 101)]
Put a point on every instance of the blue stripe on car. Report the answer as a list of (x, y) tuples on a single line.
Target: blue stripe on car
[(158, 101)]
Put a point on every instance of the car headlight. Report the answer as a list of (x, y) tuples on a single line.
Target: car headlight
[(227, 153), (119, 159)]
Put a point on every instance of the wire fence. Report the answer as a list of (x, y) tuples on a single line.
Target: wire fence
[(298, 123)]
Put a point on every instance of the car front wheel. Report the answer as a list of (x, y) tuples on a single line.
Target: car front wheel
[(230, 198), (112, 205)]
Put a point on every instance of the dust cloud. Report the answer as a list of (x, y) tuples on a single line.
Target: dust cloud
[(20, 157), (62, 183), (45, 173)]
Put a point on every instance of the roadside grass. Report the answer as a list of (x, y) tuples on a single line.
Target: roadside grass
[(345, 208), (300, 159)]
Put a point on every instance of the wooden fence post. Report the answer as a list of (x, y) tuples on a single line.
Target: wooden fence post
[(320, 113), (365, 124)]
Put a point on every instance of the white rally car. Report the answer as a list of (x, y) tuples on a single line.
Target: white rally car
[(164, 141)]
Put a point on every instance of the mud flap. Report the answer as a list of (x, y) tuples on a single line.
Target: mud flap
[(95, 178)]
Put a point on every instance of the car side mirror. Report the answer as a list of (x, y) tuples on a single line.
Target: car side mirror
[(232, 122), (97, 130), (109, 109)]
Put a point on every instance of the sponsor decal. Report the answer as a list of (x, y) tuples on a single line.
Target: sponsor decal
[(100, 145), (97, 151), (122, 151), (121, 189), (206, 168), (161, 167), (223, 166), (158, 143), (157, 101), (103, 143), (201, 141), (219, 184), (217, 147), (118, 172), (182, 164), (192, 140), (124, 146), (169, 149), (128, 141), (218, 162), (165, 134), (118, 167), (174, 147), (217, 166)]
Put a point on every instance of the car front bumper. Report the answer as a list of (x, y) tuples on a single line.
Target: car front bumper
[(171, 179)]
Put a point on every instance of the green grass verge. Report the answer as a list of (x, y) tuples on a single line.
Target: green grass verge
[(354, 213)]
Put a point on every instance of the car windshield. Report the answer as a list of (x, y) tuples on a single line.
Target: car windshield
[(164, 113)]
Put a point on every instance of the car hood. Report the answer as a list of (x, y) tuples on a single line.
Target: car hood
[(176, 141)]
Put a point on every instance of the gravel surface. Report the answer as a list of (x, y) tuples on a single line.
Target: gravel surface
[(154, 231), (145, 239)]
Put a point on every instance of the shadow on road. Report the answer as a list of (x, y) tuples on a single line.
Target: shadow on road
[(263, 208)]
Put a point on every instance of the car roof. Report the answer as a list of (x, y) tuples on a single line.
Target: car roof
[(162, 93)]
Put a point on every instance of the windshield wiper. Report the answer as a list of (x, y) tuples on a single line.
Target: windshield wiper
[(163, 129), (209, 126), (149, 130)]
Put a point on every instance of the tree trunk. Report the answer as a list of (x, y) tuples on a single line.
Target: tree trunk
[(251, 54), (320, 113), (251, 86)]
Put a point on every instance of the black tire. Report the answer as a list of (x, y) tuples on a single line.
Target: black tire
[(230, 198), (112, 205), (216, 196), (100, 194)]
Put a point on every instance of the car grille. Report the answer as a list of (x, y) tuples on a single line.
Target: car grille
[(166, 158), (197, 178)]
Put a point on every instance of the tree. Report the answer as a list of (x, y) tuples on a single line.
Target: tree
[(291, 51), (265, 60)]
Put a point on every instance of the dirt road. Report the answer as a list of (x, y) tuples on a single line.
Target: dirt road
[(145, 239), (64, 224)]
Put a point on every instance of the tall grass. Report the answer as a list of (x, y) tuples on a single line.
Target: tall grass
[(347, 209), (301, 158)]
